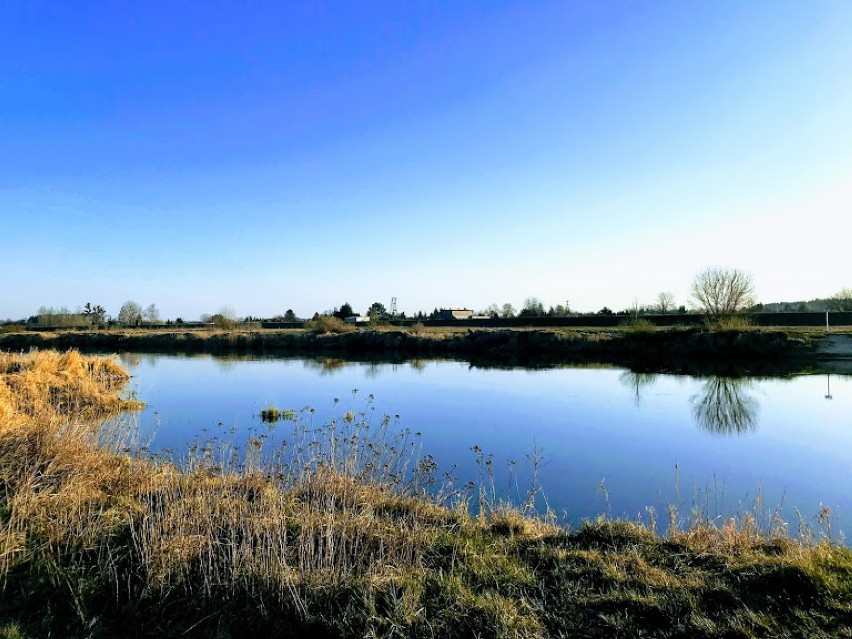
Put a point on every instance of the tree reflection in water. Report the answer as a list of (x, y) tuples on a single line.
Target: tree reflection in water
[(637, 382), (326, 366), (725, 407)]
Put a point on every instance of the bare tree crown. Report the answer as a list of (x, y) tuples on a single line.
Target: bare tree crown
[(721, 292)]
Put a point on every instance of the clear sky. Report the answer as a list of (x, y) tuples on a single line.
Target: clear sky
[(268, 156)]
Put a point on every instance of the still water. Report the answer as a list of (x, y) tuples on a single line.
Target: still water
[(609, 440)]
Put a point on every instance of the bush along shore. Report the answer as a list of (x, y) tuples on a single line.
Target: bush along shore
[(632, 344), (347, 532)]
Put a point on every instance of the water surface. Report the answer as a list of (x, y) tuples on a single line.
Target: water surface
[(610, 440)]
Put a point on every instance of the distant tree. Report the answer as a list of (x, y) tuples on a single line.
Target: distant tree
[(533, 307), (722, 292), (226, 318), (151, 314), (130, 314), (605, 311), (560, 310), (665, 302), (96, 313), (345, 311), (841, 300), (179, 320), (61, 317), (508, 311), (377, 312), (492, 311), (563, 310), (290, 316)]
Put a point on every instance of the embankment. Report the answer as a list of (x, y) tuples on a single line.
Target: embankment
[(508, 345)]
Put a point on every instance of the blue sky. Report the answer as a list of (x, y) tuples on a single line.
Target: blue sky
[(268, 156)]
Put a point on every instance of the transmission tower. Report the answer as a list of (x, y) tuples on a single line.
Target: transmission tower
[(393, 307)]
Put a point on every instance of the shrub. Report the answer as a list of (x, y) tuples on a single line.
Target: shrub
[(328, 324), (418, 329), (221, 321)]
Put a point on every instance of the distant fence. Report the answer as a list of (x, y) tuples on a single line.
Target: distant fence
[(810, 318), (602, 321), (282, 324), (675, 319)]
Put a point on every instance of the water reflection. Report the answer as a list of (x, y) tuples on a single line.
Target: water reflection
[(225, 364), (326, 365), (418, 365), (693, 420), (724, 406), (637, 382), (372, 369)]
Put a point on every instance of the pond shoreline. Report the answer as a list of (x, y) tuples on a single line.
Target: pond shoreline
[(671, 349)]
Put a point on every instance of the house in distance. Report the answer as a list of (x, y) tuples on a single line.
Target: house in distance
[(455, 313)]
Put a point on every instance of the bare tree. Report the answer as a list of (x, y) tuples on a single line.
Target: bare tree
[(130, 314), (151, 314), (841, 300), (507, 311), (665, 302), (722, 292)]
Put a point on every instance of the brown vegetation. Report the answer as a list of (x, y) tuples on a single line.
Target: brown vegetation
[(324, 324)]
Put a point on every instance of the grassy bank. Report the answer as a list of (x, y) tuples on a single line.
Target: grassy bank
[(624, 345), (350, 535)]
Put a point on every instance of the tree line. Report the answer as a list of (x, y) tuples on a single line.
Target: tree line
[(716, 292)]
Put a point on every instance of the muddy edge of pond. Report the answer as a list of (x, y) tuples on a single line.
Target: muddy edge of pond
[(794, 348)]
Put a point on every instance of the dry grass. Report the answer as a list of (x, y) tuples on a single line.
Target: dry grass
[(49, 385), (731, 323), (349, 533)]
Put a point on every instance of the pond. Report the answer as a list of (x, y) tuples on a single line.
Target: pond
[(596, 439)]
